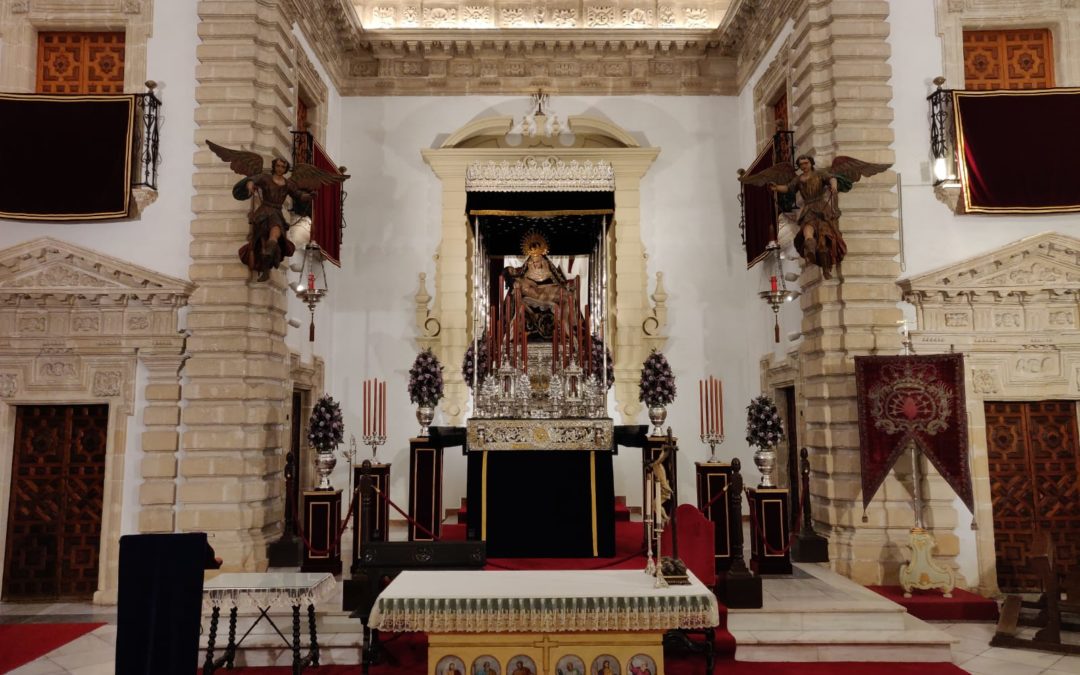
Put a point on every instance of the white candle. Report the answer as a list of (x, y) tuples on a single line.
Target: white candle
[(658, 508)]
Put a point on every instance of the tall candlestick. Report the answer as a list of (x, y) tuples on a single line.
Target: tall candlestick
[(382, 408), (658, 506), (720, 404), (366, 429)]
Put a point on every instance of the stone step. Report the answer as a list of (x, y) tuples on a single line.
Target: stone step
[(818, 615)]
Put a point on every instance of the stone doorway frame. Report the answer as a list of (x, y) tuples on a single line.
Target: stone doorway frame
[(77, 327), (638, 326), (1015, 314)]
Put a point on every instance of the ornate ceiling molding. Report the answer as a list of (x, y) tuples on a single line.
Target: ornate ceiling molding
[(411, 47), (749, 29)]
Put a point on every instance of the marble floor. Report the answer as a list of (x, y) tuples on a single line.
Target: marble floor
[(93, 653)]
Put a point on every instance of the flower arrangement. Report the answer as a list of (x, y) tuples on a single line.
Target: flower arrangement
[(425, 379), (598, 353), (763, 426), (326, 427), (657, 386), (467, 363)]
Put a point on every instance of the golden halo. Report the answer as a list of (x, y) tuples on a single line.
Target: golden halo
[(534, 243)]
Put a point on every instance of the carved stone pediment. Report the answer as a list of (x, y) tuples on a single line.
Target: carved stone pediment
[(48, 267), (1047, 262)]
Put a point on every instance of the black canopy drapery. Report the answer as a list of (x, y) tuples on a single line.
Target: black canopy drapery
[(570, 221)]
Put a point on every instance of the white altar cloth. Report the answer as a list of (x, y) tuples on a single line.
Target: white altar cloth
[(540, 601), (258, 590)]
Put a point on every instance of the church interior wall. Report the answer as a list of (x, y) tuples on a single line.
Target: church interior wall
[(933, 235), (689, 215), (159, 238)]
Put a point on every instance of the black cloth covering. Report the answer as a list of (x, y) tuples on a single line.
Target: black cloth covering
[(160, 603), (54, 168), (539, 503)]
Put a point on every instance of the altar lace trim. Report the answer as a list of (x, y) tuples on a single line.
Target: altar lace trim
[(543, 615), (253, 599)]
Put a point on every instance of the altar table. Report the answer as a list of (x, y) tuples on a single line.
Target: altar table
[(538, 620), (264, 592)]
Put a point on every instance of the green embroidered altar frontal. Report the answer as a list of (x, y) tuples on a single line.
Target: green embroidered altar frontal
[(541, 602)]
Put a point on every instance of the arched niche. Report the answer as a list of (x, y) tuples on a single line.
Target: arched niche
[(637, 324)]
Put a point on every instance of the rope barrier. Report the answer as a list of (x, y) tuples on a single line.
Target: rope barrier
[(412, 522), (791, 535)]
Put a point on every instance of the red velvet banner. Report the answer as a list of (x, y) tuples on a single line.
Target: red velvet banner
[(326, 210), (1018, 150), (759, 210), (905, 400)]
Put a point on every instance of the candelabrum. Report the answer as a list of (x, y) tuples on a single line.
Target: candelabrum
[(712, 439), (374, 440)]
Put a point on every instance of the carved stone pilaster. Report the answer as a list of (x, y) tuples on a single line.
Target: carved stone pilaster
[(427, 325), (654, 326)]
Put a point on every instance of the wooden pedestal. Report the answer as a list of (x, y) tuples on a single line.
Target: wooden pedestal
[(322, 521), (769, 530), (425, 489), (713, 479), (378, 516)]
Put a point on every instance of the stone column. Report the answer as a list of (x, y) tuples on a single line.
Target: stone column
[(160, 442), (237, 377), (841, 106)]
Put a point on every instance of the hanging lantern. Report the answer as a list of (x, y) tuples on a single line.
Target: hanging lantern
[(312, 285), (778, 293)]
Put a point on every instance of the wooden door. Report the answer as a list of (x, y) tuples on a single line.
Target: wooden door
[(72, 62), (1034, 467), (1008, 59), (54, 515)]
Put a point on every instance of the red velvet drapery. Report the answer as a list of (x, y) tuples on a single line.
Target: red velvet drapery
[(759, 210), (326, 216), (1018, 150)]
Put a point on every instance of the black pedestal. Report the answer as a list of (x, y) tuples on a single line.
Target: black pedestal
[(713, 479), (286, 552), (322, 521), (810, 548), (769, 530), (425, 489)]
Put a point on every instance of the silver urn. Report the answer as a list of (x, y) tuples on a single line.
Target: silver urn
[(657, 415), (324, 466)]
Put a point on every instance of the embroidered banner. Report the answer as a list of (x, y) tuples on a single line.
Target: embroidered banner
[(1017, 153), (66, 157), (905, 400)]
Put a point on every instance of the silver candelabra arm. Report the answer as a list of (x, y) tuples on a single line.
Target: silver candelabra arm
[(712, 439)]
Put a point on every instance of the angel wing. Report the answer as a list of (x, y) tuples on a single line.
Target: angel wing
[(310, 177), (781, 174), (853, 169), (243, 162)]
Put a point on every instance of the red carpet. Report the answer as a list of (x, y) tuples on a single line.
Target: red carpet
[(932, 606), (23, 642)]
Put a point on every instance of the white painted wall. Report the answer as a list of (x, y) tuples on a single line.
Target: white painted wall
[(160, 238), (689, 227)]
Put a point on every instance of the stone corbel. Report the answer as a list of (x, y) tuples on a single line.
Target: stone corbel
[(654, 327), (426, 322)]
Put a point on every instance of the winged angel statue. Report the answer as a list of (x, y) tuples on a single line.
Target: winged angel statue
[(818, 239), (267, 244)]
